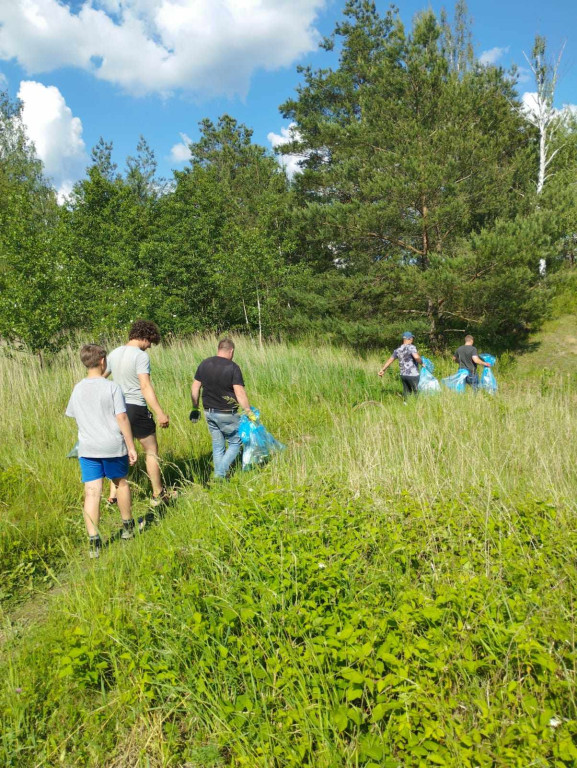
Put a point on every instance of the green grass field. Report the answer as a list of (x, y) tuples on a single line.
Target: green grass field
[(397, 589)]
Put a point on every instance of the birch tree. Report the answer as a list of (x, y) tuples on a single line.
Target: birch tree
[(542, 112)]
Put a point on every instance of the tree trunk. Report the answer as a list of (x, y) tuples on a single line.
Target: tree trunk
[(425, 259), (432, 314), (259, 318)]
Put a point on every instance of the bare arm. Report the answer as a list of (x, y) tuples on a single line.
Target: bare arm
[(241, 396), (195, 393), (126, 430), (386, 365), (417, 357), (478, 360), (151, 400)]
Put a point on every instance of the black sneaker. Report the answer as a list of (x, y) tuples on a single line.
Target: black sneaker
[(95, 544)]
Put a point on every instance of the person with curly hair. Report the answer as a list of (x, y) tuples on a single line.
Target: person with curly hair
[(129, 366)]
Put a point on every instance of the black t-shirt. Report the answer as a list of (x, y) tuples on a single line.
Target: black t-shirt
[(465, 356), (218, 376)]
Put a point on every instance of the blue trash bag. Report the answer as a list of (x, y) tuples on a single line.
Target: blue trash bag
[(488, 382), (427, 382), (456, 382), (258, 443)]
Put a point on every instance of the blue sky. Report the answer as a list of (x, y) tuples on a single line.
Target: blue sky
[(121, 68)]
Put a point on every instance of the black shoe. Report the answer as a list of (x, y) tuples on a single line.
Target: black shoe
[(95, 544)]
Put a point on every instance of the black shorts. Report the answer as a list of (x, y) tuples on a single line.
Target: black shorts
[(141, 421)]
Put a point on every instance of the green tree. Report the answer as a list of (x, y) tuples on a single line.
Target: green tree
[(37, 307), (410, 149), (220, 251), (106, 224)]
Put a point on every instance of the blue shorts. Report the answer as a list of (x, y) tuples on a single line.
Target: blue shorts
[(95, 469)]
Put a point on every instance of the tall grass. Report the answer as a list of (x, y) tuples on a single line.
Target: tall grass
[(395, 589)]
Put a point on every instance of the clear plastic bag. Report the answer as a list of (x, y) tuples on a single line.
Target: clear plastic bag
[(427, 382), (488, 382), (456, 382), (73, 453), (258, 443)]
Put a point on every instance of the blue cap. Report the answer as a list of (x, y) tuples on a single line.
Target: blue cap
[(408, 335)]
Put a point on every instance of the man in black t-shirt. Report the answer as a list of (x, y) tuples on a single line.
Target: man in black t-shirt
[(222, 392), (468, 357)]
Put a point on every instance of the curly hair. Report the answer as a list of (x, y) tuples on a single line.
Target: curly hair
[(144, 329)]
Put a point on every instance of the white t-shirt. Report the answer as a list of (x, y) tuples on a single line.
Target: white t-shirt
[(94, 404), (125, 363)]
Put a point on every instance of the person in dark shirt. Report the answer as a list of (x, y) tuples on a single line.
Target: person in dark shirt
[(468, 357), (223, 392)]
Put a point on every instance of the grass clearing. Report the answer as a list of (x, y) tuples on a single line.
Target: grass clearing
[(396, 590)]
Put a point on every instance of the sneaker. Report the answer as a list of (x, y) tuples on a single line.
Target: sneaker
[(127, 530), (164, 497), (95, 547)]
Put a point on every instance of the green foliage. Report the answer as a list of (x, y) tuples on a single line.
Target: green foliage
[(36, 276), (412, 151), (416, 205), (392, 591)]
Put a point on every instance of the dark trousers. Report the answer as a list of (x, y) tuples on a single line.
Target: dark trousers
[(410, 385), (473, 381)]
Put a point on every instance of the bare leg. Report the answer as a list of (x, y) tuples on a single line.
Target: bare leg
[(124, 500), (150, 446), (92, 494), (113, 491)]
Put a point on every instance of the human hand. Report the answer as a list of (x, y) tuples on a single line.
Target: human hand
[(194, 415), (381, 372), (132, 456), (163, 420)]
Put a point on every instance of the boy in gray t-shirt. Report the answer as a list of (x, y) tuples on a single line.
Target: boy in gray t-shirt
[(105, 444)]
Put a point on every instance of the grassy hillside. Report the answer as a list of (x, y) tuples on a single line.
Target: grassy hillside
[(396, 589), (554, 349)]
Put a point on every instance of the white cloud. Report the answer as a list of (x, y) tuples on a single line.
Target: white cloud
[(530, 106), (55, 132), (180, 152), (289, 162), (205, 46), (3, 82), (492, 56)]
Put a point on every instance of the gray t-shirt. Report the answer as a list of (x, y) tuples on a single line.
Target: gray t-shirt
[(407, 363), (465, 356), (94, 404), (125, 363)]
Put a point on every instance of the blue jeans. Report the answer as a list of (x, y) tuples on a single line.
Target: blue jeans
[(473, 381), (223, 428)]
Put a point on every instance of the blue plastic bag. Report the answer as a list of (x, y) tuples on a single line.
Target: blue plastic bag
[(488, 382), (456, 382), (258, 443), (427, 382)]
